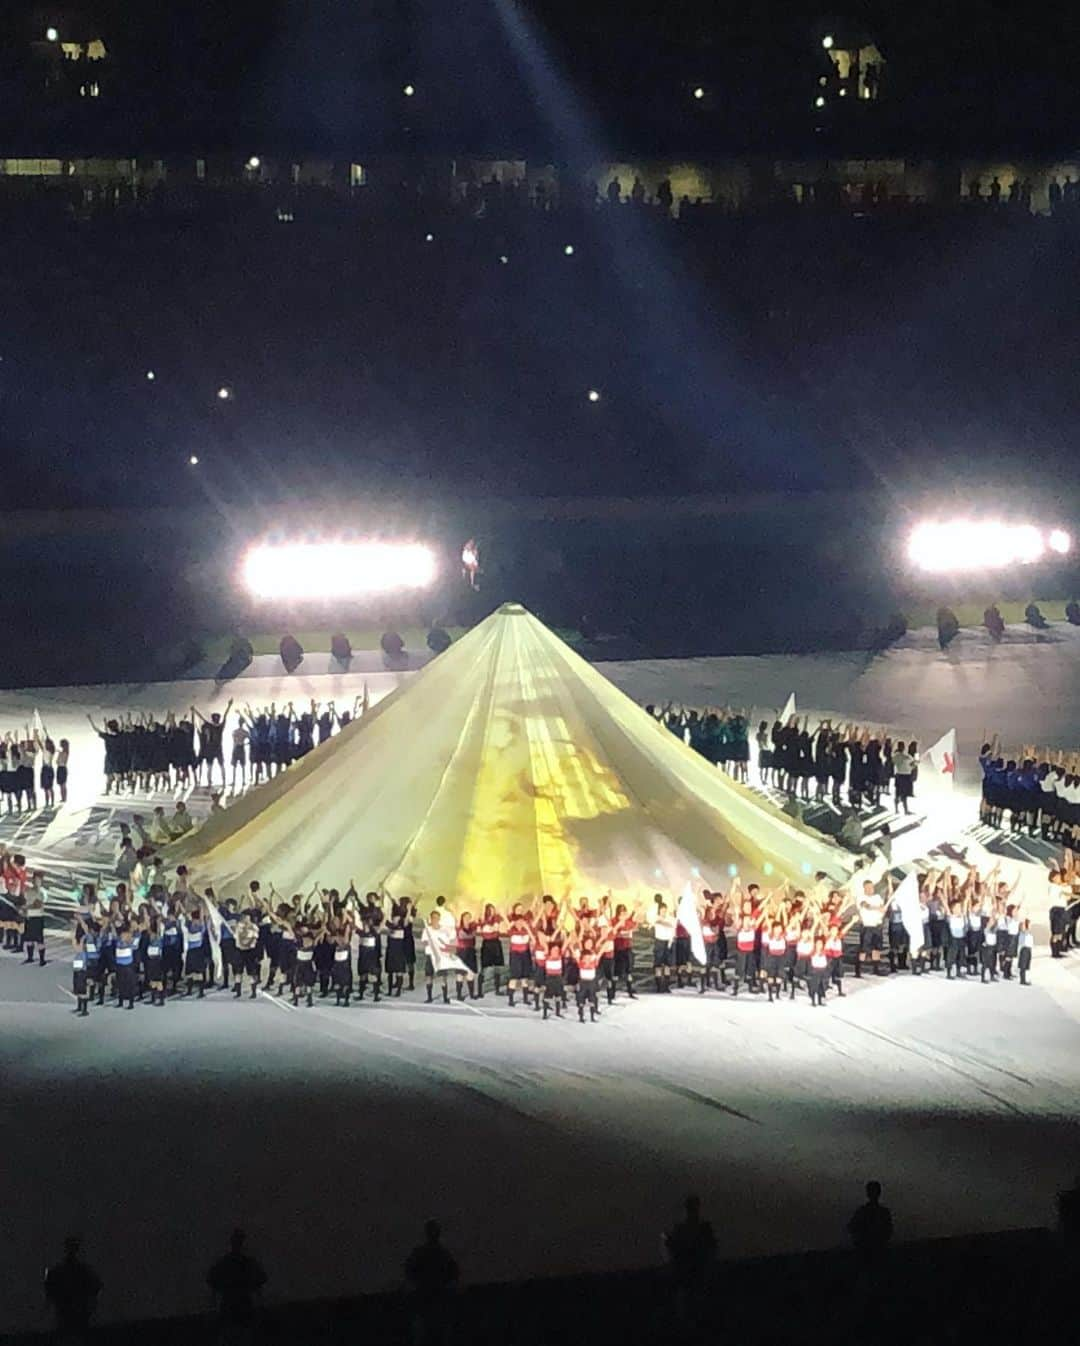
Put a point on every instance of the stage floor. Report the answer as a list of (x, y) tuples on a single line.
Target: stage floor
[(331, 1134), (544, 1148)]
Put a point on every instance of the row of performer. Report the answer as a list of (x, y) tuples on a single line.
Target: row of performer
[(160, 944)]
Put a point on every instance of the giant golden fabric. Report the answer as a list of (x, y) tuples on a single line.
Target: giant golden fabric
[(508, 768)]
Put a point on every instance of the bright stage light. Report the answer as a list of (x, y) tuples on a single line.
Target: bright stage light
[(337, 569), (827, 42), (594, 396), (408, 91), (224, 394), (194, 460), (51, 35), (819, 101), (569, 250), (965, 544), (699, 93), (150, 376), (254, 162)]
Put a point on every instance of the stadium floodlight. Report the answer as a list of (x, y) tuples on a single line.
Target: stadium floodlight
[(966, 544), (331, 570)]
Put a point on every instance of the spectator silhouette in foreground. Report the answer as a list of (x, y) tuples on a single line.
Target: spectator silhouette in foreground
[(236, 1281), (432, 1275), (870, 1228), (72, 1288), (691, 1250)]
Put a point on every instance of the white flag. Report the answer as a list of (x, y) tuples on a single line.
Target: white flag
[(439, 946), (213, 922), (906, 898), (688, 918), (39, 727), (789, 709), (941, 758)]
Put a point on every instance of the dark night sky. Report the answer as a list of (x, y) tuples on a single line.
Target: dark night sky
[(326, 71)]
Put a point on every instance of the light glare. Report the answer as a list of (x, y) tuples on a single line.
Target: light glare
[(194, 460), (51, 35), (965, 544), (224, 394), (827, 42), (699, 93), (337, 569)]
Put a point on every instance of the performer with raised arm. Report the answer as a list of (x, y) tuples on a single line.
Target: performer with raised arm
[(519, 931), (491, 950)]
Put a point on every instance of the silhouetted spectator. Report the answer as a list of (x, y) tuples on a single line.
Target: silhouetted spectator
[(872, 80), (236, 1281), (995, 190), (637, 192), (947, 626), (1053, 191), (871, 1227), (1033, 616), (994, 622), (72, 1288), (432, 1275), (1068, 1204), (664, 196), (975, 189), (1072, 612), (1014, 192), (691, 1250), (614, 192)]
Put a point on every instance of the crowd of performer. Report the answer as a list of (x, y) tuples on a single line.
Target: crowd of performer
[(149, 752), (821, 762), (164, 939), (1038, 790), (33, 769)]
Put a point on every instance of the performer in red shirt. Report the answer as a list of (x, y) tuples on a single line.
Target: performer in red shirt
[(491, 949), (521, 967), (588, 960), (623, 925)]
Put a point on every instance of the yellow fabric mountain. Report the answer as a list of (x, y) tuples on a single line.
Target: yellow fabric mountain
[(508, 768)]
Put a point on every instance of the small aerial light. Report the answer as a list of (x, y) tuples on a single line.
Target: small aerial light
[(51, 35), (429, 238), (819, 101), (194, 460), (504, 259), (1059, 541), (224, 393), (827, 42), (699, 93), (843, 93), (733, 871), (254, 162), (150, 376), (568, 251), (408, 91), (594, 395)]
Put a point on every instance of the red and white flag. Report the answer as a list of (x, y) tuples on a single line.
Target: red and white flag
[(940, 758)]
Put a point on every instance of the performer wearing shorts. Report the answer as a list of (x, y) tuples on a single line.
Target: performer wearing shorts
[(554, 990), (871, 914), (341, 971), (775, 949), (817, 972), (79, 981), (248, 952), (745, 943), (663, 939)]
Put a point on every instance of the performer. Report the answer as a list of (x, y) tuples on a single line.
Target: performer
[(304, 982), (63, 757), (588, 960), (956, 946), (34, 915), (491, 949), (196, 951), (397, 929), (871, 914), (817, 971), (172, 949), (1026, 944), (341, 974), (554, 990), (439, 945), (775, 949), (663, 937), (153, 966), (624, 924), (466, 951), (520, 934), (125, 954), (79, 979), (746, 937), (470, 563), (369, 957), (247, 935)]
